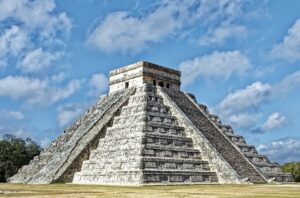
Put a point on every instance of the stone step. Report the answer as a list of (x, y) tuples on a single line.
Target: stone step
[(170, 176), (149, 117), (145, 98), (164, 128), (268, 169), (108, 177), (203, 108), (142, 107), (237, 139), (171, 130), (154, 126), (265, 164), (159, 118), (160, 151), (168, 141), (250, 150), (280, 177), (98, 166), (225, 128), (174, 163), (256, 157), (167, 136), (214, 118)]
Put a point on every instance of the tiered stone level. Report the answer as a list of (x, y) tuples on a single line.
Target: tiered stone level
[(153, 148), (59, 161), (270, 170)]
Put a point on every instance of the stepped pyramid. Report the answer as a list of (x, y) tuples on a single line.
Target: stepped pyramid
[(146, 131)]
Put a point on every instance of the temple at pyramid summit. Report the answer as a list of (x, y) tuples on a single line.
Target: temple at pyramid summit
[(146, 131)]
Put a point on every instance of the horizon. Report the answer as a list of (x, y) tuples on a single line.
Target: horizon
[(240, 58)]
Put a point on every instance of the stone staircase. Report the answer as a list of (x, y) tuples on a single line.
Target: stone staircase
[(47, 167), (270, 170), (145, 144)]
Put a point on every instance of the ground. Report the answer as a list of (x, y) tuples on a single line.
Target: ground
[(74, 191)]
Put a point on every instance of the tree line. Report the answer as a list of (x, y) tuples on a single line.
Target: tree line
[(14, 153), (293, 168)]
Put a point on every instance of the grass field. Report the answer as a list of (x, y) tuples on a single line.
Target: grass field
[(65, 190)]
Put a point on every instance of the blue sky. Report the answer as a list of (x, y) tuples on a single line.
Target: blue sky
[(241, 58)]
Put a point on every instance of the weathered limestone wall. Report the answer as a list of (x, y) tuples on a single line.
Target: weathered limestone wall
[(117, 158), (143, 72)]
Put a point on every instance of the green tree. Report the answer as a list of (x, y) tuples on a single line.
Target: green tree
[(293, 168), (14, 153)]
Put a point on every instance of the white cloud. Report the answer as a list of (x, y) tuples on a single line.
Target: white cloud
[(68, 113), (274, 121), (243, 99), (126, 32), (28, 27), (12, 42), (289, 48), (36, 91), (98, 84), (242, 120), (243, 105), (121, 32), (282, 150), (11, 115), (38, 60), (216, 65), (220, 34), (289, 83), (40, 15), (60, 77)]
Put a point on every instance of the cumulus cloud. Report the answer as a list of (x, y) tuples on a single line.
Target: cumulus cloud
[(38, 60), (29, 27), (36, 91), (40, 15), (68, 113), (98, 84), (289, 48), (282, 150), (121, 32), (12, 41), (274, 121), (243, 120), (250, 97), (289, 83), (220, 34), (216, 65), (243, 104), (125, 32), (241, 107), (11, 115)]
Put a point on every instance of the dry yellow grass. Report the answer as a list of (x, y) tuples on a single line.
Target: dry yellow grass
[(76, 191)]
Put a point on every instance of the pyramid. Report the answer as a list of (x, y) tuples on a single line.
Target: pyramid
[(146, 131)]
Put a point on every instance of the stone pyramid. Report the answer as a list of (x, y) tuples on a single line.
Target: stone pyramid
[(146, 131)]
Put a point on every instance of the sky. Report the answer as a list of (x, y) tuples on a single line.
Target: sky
[(239, 57)]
